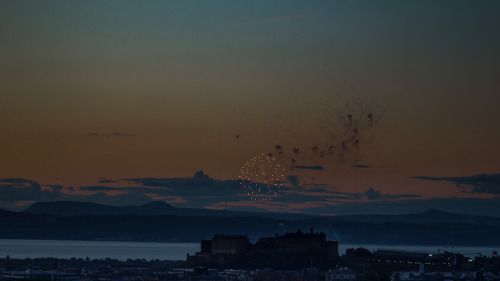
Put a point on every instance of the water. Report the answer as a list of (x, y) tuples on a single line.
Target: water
[(19, 249)]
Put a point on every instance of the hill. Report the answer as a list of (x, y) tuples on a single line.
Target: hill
[(429, 216), (173, 228), (155, 208)]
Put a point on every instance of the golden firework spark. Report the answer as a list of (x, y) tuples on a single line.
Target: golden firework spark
[(261, 178)]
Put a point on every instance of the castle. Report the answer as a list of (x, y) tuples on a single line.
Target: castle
[(290, 250)]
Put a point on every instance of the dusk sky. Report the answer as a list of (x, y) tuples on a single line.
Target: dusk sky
[(337, 107)]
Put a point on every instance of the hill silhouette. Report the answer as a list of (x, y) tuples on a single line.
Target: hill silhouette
[(148, 223), (156, 208)]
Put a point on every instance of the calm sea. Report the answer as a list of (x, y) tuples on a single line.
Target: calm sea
[(18, 248)]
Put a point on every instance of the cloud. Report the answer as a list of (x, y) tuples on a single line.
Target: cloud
[(14, 191), (294, 180), (106, 181), (98, 188), (25, 190), (129, 198), (315, 196), (269, 19), (472, 206), (109, 133), (197, 191), (319, 168), (361, 166), (199, 178), (16, 180), (483, 183), (55, 187), (373, 194), (316, 184), (202, 191)]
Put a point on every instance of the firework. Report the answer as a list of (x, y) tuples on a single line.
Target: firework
[(261, 178)]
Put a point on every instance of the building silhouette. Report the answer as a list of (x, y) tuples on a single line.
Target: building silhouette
[(287, 251)]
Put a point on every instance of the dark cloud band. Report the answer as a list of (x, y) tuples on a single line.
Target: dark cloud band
[(483, 183)]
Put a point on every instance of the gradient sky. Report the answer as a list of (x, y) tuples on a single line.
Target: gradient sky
[(122, 102)]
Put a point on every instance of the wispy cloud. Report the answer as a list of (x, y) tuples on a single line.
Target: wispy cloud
[(106, 181), (319, 168), (270, 19), (97, 188), (476, 206), (361, 166), (16, 193), (109, 134), (373, 194), (203, 191), (483, 183), (294, 180)]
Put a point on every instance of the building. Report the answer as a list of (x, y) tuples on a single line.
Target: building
[(228, 244), (341, 274), (298, 242), (290, 250), (31, 274)]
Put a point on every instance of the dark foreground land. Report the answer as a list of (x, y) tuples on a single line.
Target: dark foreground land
[(356, 265)]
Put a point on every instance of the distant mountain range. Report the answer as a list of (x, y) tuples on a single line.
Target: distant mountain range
[(429, 216), (158, 221), (155, 208)]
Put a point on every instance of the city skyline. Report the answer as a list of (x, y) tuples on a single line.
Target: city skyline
[(337, 107)]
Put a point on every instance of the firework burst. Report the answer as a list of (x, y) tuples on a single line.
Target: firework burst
[(261, 178)]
